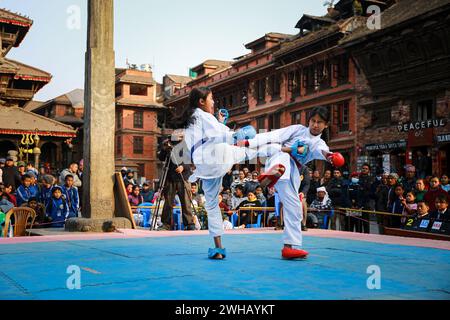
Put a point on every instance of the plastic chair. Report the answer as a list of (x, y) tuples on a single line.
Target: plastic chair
[(258, 222), (146, 213), (177, 220), (2, 221), (327, 218), (21, 217), (234, 219)]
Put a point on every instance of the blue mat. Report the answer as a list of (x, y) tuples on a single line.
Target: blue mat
[(177, 268)]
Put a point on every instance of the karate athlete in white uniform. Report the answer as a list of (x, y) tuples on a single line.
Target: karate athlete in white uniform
[(297, 146), (210, 146)]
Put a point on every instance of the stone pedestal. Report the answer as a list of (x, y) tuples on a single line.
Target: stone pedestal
[(97, 225)]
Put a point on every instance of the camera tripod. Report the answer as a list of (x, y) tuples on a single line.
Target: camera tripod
[(162, 187)]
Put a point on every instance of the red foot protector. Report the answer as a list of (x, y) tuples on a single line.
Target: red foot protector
[(291, 253), (271, 177), (336, 159)]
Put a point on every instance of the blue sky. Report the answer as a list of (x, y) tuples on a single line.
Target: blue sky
[(170, 35)]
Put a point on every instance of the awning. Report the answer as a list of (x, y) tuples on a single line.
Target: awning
[(17, 121)]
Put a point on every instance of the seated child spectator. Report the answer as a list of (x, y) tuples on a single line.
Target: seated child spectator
[(25, 190), (147, 193), (422, 210), (38, 208), (34, 183), (9, 194), (135, 197), (57, 209), (409, 205), (71, 195), (441, 213), (223, 206), (129, 188), (5, 204), (444, 183), (247, 216), (227, 225), (45, 193), (198, 198), (31, 168)]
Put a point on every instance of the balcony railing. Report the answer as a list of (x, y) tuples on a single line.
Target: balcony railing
[(238, 110), (8, 37), (19, 93)]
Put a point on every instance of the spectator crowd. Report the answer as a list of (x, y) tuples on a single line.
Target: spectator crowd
[(56, 199)]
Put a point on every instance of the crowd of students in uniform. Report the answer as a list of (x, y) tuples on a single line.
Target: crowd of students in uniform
[(53, 199)]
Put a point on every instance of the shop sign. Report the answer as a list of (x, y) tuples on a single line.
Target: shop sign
[(420, 125), (443, 138), (386, 146), (420, 138)]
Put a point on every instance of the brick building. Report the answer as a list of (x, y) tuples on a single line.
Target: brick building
[(138, 122), (284, 76), (406, 107)]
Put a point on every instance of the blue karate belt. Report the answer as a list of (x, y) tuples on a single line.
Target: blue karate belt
[(297, 163), (195, 147)]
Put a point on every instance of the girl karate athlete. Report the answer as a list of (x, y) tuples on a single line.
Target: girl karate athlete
[(210, 147), (297, 146)]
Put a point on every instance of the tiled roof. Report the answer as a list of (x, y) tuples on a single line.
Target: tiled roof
[(218, 63), (33, 105), (75, 98), (399, 12), (7, 66), (307, 39), (179, 79), (18, 121), (128, 78), (137, 103), (27, 72), (268, 36), (69, 119), (7, 16), (310, 17)]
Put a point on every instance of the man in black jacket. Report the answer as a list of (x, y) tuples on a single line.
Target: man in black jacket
[(367, 196), (336, 190), (176, 183), (11, 174), (305, 178)]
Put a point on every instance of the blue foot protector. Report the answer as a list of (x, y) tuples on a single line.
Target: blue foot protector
[(213, 252)]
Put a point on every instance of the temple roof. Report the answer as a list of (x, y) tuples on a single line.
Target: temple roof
[(26, 72), (7, 16), (19, 121)]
